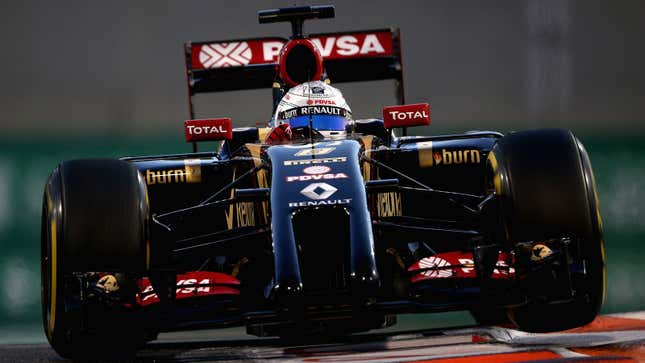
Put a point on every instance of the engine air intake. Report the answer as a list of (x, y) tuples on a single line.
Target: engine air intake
[(300, 62)]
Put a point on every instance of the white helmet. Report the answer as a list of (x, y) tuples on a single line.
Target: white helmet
[(315, 102)]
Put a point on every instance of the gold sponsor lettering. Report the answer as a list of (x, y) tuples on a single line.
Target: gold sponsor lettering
[(447, 157), (165, 176), (389, 204), (245, 214), (428, 157), (191, 173), (242, 214), (228, 214)]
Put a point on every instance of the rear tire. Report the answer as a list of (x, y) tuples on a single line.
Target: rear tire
[(548, 190), (94, 219)]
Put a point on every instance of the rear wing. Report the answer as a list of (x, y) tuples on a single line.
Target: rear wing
[(228, 65)]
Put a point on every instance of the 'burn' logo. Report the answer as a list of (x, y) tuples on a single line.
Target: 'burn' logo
[(447, 157), (191, 173)]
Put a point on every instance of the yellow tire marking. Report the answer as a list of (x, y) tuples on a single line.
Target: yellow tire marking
[(497, 181), (52, 306), (497, 184), (52, 261), (601, 232), (602, 242)]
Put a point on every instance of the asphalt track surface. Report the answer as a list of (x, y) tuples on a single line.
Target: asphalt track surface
[(613, 338)]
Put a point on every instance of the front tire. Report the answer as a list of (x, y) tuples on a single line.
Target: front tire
[(94, 219), (547, 188)]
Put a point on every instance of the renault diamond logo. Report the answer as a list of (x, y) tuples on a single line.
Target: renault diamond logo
[(318, 191)]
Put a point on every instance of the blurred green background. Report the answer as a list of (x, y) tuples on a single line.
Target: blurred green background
[(86, 79)]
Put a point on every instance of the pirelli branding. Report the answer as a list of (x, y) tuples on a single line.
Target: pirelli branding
[(389, 204), (191, 173), (340, 159), (428, 156)]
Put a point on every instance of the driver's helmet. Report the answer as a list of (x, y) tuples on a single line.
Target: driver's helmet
[(316, 102)]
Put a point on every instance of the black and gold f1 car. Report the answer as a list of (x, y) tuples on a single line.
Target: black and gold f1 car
[(319, 236)]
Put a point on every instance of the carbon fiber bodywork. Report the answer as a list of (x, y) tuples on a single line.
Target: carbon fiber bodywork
[(323, 224)]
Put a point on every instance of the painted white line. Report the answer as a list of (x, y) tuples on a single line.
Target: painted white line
[(640, 315)]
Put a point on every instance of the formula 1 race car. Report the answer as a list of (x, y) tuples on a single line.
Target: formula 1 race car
[(323, 231)]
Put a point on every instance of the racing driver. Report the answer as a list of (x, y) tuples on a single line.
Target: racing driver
[(313, 103)]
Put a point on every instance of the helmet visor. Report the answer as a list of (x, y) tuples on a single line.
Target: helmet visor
[(320, 122)]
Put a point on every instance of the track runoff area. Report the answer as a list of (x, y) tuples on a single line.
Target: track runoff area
[(610, 338)]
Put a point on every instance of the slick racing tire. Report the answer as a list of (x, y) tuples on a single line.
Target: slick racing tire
[(94, 219), (547, 190)]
